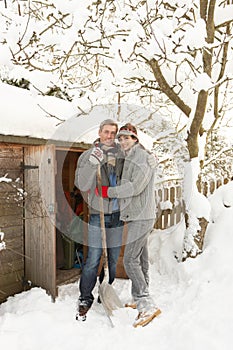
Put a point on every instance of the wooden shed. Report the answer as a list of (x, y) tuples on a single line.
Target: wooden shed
[(28, 212), (35, 174)]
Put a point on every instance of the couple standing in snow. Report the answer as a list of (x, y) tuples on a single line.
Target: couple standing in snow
[(127, 175)]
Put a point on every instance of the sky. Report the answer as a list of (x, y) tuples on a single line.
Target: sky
[(195, 298)]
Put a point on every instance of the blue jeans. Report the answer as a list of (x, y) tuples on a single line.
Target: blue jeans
[(114, 230)]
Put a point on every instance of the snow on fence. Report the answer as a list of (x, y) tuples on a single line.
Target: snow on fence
[(170, 209), (170, 206), (208, 188)]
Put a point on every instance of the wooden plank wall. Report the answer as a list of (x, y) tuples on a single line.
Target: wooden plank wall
[(11, 221)]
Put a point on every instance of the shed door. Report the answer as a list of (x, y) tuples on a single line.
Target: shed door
[(40, 249)]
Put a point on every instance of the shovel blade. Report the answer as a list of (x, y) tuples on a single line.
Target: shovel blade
[(109, 298)]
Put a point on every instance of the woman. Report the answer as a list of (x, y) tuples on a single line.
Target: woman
[(137, 207)]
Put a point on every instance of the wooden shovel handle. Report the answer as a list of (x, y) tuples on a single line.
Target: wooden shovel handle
[(102, 221)]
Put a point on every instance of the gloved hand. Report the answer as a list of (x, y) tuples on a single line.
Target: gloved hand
[(104, 191), (96, 156), (110, 152), (152, 160)]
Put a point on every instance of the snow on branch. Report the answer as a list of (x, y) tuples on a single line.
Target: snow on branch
[(5, 179), (2, 243)]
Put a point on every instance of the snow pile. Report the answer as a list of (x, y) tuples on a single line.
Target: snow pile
[(222, 198)]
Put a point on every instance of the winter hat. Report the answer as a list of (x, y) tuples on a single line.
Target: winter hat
[(128, 130)]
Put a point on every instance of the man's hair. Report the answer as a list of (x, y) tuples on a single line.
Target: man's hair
[(108, 122)]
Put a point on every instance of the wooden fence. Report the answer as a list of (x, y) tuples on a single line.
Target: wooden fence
[(170, 208)]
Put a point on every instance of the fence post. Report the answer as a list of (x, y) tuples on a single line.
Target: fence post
[(158, 221)]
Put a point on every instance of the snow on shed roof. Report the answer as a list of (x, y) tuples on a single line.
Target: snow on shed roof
[(50, 118), (23, 114)]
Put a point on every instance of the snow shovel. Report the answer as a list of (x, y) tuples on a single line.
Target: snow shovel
[(107, 293)]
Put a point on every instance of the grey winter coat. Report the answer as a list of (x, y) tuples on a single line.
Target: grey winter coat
[(136, 191), (86, 180)]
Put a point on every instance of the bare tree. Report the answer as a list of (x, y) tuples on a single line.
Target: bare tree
[(195, 46), (214, 56), (146, 51)]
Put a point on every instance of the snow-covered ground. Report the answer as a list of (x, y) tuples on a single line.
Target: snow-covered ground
[(195, 298)]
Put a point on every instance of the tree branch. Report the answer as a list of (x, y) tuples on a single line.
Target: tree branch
[(166, 89)]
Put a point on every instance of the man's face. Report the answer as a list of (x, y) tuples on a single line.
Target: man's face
[(107, 134)]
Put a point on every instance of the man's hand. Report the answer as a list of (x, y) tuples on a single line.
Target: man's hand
[(96, 156)]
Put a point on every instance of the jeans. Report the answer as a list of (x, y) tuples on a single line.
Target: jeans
[(136, 262), (114, 230)]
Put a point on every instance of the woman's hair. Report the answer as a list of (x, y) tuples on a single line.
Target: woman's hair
[(129, 127)]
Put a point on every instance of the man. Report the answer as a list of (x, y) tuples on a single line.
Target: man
[(106, 153)]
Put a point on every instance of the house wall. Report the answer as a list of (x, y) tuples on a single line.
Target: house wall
[(11, 220)]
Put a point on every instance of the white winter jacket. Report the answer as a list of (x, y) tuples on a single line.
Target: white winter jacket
[(136, 190)]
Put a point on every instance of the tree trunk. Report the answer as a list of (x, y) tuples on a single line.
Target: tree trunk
[(198, 239)]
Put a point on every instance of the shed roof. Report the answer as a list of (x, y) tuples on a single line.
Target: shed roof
[(32, 116), (23, 114)]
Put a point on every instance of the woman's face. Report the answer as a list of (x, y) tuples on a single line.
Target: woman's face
[(126, 142)]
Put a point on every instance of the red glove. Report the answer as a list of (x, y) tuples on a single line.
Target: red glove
[(104, 191)]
